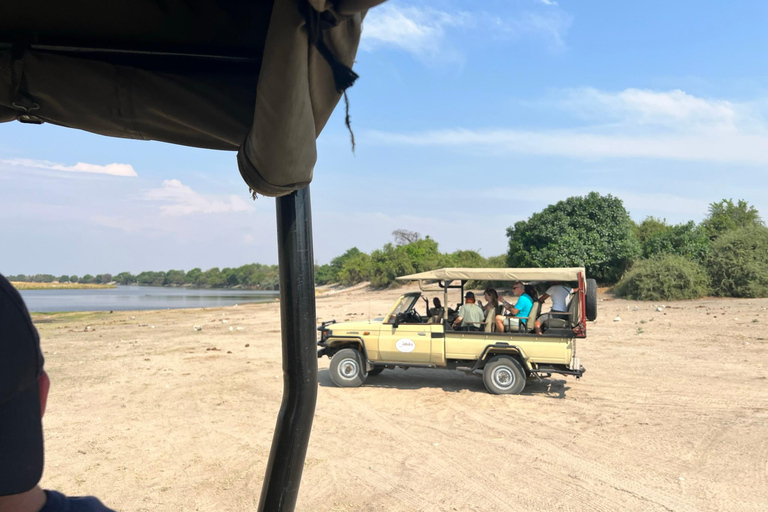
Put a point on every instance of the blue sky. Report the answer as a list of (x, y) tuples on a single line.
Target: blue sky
[(468, 116)]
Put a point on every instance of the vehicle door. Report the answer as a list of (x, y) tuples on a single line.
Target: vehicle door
[(406, 343)]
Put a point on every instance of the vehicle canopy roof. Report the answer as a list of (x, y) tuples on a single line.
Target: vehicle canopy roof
[(498, 274)]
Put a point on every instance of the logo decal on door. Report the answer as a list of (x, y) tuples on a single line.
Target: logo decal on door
[(405, 345)]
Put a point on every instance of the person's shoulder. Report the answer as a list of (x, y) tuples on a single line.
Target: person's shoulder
[(57, 502), (526, 298)]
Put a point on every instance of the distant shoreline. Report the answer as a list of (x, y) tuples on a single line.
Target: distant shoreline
[(20, 285)]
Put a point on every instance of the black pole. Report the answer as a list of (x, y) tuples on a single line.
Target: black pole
[(297, 314)]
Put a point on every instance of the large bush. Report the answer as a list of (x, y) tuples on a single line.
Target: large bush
[(594, 231), (738, 263), (667, 277)]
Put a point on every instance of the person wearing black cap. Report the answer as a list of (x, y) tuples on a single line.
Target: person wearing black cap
[(471, 316), (24, 389)]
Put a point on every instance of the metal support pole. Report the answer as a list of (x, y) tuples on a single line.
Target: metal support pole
[(297, 314)]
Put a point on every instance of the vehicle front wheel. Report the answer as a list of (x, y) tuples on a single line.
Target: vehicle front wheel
[(503, 375), (347, 368)]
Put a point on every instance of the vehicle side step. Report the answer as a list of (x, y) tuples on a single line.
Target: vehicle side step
[(563, 370), (404, 365)]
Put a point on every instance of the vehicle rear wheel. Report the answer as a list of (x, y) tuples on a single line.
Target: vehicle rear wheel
[(503, 375), (347, 368), (376, 370), (591, 300)]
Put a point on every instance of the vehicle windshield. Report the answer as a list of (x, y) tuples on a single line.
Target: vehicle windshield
[(403, 304)]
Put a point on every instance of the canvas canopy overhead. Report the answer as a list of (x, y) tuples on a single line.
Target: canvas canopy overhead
[(498, 274), (259, 77)]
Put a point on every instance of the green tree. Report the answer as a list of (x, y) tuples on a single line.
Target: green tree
[(593, 230), (330, 273), (423, 254), (104, 278), (125, 278), (464, 259), (175, 277), (388, 263), (149, 278), (87, 279), (356, 269), (193, 276), (688, 240), (324, 274), (213, 278), (726, 216), (74, 279), (649, 227), (63, 279), (738, 263)]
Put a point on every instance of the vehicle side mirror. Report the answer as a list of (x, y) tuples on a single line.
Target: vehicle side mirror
[(399, 318)]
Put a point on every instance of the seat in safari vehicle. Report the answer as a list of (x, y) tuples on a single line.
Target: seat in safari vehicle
[(567, 320)]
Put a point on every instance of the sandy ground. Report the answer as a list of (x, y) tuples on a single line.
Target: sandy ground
[(672, 415)]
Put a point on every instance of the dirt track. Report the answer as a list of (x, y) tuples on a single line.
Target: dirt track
[(674, 418)]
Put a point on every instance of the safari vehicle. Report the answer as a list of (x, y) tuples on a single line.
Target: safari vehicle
[(407, 338)]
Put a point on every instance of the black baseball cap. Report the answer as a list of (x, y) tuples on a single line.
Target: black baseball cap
[(21, 365), (469, 295)]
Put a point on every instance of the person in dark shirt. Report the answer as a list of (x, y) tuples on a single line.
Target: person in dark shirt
[(24, 387)]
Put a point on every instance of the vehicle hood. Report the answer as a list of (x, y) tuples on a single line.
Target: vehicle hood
[(352, 328)]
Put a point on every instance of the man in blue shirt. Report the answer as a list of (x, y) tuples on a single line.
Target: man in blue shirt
[(24, 389), (520, 310)]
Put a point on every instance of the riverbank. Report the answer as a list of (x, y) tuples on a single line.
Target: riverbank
[(22, 285), (150, 414)]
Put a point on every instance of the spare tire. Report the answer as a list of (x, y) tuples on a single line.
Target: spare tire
[(591, 300)]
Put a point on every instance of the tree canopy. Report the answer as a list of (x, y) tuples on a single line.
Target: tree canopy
[(593, 231)]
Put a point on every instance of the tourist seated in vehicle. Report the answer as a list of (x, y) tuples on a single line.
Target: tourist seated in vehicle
[(560, 294), (517, 314), (492, 310), (471, 316)]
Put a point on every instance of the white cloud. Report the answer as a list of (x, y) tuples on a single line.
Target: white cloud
[(427, 32), (125, 170), (634, 123), (674, 108), (417, 30), (182, 200), (548, 2)]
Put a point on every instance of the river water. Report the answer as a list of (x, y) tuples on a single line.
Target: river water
[(139, 297)]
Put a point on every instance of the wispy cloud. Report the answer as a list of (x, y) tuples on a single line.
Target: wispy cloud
[(124, 170), (633, 123), (674, 108), (179, 199), (426, 32), (417, 30)]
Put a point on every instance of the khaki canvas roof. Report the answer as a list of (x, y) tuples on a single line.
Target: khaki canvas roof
[(498, 274), (260, 77)]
